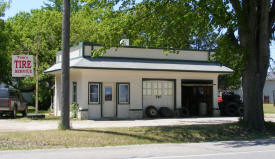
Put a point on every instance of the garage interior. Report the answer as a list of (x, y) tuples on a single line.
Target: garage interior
[(197, 97)]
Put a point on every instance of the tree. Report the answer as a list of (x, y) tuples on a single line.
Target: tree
[(5, 68), (249, 28), (25, 28), (65, 67)]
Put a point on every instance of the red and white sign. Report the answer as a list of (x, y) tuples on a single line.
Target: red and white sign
[(22, 66)]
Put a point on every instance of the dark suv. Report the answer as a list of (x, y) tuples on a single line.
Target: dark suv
[(12, 102)]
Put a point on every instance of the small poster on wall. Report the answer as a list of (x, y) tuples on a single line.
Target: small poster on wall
[(22, 66)]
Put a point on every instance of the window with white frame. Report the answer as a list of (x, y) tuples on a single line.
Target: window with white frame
[(124, 93), (94, 93), (74, 93)]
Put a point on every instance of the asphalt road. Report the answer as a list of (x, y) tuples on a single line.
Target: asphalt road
[(256, 149)]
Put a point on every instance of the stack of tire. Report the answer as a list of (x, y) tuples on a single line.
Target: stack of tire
[(231, 105), (152, 112)]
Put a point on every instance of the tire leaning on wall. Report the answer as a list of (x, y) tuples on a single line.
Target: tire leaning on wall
[(165, 112), (151, 111)]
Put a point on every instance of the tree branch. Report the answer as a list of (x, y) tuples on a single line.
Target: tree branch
[(236, 6), (272, 30), (272, 16), (232, 37)]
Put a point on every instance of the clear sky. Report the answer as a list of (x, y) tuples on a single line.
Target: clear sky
[(23, 5), (27, 5)]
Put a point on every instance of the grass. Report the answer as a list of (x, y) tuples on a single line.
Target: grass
[(47, 117), (31, 110), (269, 109), (128, 136)]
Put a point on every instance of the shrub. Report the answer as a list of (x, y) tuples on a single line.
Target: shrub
[(74, 110)]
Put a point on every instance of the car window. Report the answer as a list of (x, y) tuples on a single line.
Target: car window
[(4, 93)]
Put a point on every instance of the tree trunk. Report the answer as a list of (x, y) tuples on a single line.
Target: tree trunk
[(254, 37), (65, 74)]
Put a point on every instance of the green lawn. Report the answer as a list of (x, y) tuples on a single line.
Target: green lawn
[(31, 110), (269, 109), (128, 136)]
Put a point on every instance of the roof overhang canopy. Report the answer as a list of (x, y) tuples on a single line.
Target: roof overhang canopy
[(143, 64)]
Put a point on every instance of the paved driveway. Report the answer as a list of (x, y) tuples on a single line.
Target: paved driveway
[(8, 125)]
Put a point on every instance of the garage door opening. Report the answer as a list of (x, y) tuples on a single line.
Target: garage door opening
[(197, 97)]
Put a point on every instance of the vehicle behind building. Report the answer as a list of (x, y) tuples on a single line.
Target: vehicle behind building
[(11, 102)]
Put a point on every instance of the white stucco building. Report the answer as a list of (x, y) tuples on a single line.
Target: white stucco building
[(125, 81)]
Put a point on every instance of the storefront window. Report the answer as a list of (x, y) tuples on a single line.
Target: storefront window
[(108, 93), (124, 94), (94, 93)]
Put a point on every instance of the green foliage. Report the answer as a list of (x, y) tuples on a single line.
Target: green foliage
[(231, 56), (74, 110), (229, 81), (62, 127), (39, 30), (5, 68), (3, 6)]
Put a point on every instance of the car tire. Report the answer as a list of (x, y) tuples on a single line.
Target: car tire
[(151, 111), (231, 109), (166, 112), (222, 108)]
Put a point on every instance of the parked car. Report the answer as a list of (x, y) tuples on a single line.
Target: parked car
[(11, 102)]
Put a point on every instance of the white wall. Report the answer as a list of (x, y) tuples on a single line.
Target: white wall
[(84, 76), (75, 76), (156, 54), (269, 87)]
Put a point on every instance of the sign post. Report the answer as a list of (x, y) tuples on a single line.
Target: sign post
[(36, 81)]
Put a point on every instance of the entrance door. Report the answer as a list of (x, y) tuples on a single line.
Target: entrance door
[(159, 93), (109, 108)]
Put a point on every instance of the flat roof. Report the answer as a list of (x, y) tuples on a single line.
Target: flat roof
[(142, 64)]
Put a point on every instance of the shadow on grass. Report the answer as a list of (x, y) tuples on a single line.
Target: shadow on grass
[(237, 144), (222, 132), (179, 134), (141, 137)]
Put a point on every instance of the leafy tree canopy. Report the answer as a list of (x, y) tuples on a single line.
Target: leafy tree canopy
[(4, 36)]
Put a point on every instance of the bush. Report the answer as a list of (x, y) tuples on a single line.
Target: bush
[(74, 110)]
